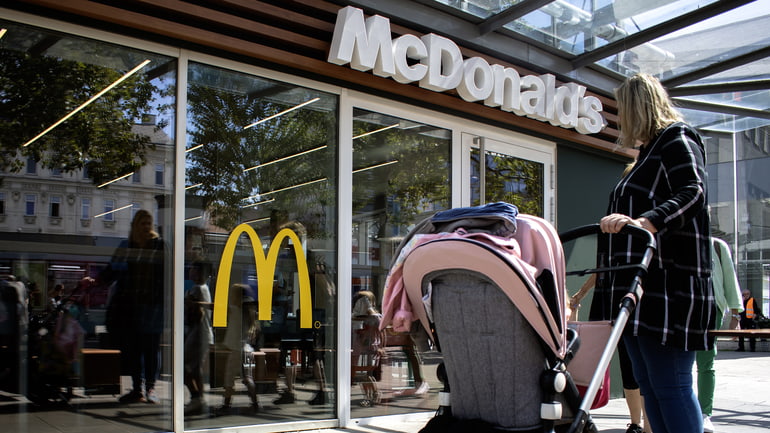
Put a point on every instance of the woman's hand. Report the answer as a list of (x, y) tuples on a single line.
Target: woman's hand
[(613, 223)]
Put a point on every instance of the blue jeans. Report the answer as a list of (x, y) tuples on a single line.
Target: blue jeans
[(665, 380)]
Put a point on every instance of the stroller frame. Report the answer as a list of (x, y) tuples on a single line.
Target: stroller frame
[(533, 280)]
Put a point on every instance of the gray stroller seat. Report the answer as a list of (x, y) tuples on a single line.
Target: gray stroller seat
[(492, 355)]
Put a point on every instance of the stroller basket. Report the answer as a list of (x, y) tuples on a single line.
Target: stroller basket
[(496, 311)]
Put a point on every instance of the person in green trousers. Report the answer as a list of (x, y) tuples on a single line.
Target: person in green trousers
[(728, 298)]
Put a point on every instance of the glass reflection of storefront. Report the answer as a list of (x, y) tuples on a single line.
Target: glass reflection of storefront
[(739, 197), (509, 179), (401, 174), (260, 154), (86, 228)]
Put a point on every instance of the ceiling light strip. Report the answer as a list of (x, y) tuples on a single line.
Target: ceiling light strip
[(287, 188), (375, 131), (281, 113), (115, 180), (113, 211), (256, 220), (375, 166), (93, 98), (284, 158), (193, 148), (258, 203)]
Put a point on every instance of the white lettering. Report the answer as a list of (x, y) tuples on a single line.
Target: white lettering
[(409, 47), (506, 93), (478, 80), (365, 45), (437, 64), (565, 105), (533, 97), (444, 62), (591, 120)]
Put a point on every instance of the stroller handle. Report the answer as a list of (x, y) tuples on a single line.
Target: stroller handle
[(634, 231), (582, 421), (594, 229)]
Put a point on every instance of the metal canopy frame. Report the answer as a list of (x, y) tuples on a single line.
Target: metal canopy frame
[(511, 14), (657, 31), (489, 34)]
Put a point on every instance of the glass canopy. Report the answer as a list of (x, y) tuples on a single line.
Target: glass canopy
[(713, 55)]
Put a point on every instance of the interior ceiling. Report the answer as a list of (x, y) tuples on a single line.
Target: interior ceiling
[(712, 55)]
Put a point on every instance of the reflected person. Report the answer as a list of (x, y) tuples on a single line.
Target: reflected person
[(241, 337), (198, 334), (135, 311)]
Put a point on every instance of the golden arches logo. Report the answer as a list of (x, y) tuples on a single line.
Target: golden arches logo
[(265, 265)]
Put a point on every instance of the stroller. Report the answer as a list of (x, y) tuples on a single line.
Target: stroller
[(488, 285)]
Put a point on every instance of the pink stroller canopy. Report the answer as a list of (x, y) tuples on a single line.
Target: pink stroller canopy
[(528, 266)]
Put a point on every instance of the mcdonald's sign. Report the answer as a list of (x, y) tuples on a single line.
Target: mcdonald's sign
[(265, 265)]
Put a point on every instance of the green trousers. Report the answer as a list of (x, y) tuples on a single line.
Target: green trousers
[(704, 359)]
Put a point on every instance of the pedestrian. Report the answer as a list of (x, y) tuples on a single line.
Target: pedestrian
[(748, 320), (728, 299), (664, 192)]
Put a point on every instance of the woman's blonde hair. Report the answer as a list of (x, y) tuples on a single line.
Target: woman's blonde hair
[(644, 109), (134, 234)]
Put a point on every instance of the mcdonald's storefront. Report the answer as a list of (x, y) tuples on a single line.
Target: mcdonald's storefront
[(279, 152)]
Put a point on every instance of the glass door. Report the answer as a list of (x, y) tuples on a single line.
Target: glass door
[(497, 170)]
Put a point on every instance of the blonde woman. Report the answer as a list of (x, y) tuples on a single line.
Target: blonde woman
[(665, 193), (135, 313)]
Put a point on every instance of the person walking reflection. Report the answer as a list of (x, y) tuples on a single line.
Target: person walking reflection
[(135, 311), (240, 341), (199, 335)]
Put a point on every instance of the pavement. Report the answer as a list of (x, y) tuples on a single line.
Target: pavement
[(741, 400)]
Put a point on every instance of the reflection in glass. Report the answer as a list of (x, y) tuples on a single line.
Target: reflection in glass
[(739, 199), (260, 163), (508, 179), (89, 298), (401, 174)]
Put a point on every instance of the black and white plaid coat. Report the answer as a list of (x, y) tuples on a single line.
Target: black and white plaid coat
[(667, 185)]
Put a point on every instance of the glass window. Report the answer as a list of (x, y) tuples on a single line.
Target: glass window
[(109, 207), (2, 203), (519, 179), (401, 174), (260, 180), (55, 206), (116, 315), (159, 171), (85, 208), (31, 165), (739, 200), (30, 200), (137, 176)]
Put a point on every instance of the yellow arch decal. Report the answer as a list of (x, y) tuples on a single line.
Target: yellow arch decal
[(265, 272)]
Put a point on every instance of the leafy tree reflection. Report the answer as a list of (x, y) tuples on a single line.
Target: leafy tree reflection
[(36, 91)]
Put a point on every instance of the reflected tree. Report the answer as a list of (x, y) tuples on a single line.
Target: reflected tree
[(37, 91), (512, 180), (515, 181), (415, 182), (284, 159)]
